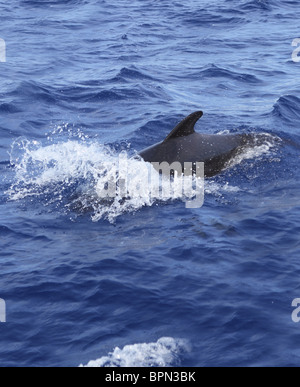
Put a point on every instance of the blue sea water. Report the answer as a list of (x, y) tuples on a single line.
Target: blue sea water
[(145, 281)]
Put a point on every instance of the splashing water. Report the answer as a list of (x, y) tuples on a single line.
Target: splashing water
[(264, 143), (81, 175), (77, 175), (165, 352)]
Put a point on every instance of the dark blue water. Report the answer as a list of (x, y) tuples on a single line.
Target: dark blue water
[(86, 80)]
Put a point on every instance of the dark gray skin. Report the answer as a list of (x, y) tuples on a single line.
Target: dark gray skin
[(185, 145)]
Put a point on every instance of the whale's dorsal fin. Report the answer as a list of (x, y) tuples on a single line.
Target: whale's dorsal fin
[(186, 127)]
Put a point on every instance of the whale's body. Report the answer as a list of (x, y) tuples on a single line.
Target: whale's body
[(184, 145)]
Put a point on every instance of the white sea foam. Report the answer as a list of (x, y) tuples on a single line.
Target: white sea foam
[(166, 352), (88, 168)]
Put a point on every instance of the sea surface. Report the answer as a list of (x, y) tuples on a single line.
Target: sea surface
[(144, 280)]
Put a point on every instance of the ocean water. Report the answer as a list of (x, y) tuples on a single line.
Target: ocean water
[(146, 281)]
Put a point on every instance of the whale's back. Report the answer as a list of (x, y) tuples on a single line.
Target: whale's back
[(184, 145)]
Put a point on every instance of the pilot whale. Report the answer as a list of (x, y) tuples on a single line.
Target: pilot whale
[(184, 145)]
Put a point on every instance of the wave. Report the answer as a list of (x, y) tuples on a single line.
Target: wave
[(34, 91), (128, 84), (9, 108), (132, 73), (53, 3), (213, 71), (205, 18), (287, 108), (166, 352), (124, 76), (6, 233), (265, 5)]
